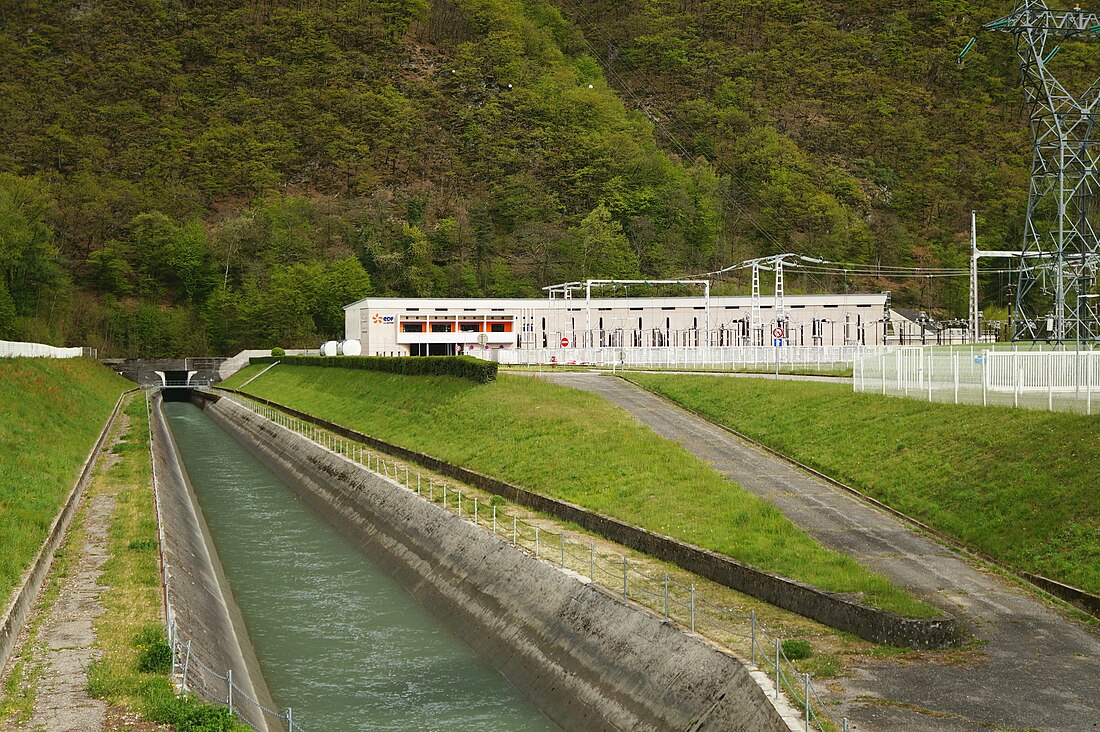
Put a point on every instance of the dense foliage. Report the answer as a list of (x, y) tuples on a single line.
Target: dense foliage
[(198, 176), (462, 367)]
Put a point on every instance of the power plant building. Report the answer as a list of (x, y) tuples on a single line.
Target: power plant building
[(449, 326)]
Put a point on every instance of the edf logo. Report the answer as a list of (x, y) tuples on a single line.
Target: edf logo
[(379, 319)]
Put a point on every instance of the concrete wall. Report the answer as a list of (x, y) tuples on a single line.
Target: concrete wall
[(591, 661), (197, 590), (877, 626)]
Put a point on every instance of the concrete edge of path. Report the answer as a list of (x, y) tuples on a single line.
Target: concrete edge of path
[(23, 596), (1080, 599)]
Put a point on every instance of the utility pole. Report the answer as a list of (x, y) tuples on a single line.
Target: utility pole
[(1053, 291)]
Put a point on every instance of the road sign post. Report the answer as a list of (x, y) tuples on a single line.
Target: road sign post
[(777, 343)]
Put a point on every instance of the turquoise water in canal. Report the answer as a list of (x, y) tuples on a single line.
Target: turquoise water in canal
[(338, 639)]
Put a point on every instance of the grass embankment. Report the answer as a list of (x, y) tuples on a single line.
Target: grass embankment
[(133, 670), (51, 412), (1018, 485), (578, 447)]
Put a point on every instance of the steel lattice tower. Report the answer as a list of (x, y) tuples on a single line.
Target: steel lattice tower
[(1055, 298)]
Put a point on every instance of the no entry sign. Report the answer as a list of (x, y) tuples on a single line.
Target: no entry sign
[(777, 332), (565, 342)]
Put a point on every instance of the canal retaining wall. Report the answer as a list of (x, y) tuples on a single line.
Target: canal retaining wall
[(196, 588), (589, 660)]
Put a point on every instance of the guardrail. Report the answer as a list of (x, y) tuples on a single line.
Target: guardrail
[(674, 601)]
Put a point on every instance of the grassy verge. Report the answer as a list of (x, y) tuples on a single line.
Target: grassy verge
[(133, 670), (1016, 484), (51, 412), (575, 446)]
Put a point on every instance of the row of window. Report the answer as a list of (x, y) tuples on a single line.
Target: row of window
[(448, 326)]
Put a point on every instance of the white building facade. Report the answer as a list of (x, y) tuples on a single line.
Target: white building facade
[(449, 326)]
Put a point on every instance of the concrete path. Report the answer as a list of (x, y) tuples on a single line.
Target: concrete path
[(1042, 671)]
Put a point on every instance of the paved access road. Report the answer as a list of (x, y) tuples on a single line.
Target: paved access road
[(1042, 669)]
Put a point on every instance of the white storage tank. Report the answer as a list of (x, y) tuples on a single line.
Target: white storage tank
[(351, 348), (330, 348)]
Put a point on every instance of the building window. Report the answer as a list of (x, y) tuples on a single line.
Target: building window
[(497, 328), (469, 327), (412, 327), (441, 328)]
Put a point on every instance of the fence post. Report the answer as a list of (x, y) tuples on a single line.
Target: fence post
[(229, 681), (776, 668), (475, 512), (956, 354), (666, 597), (406, 477), (431, 489), (806, 693), (460, 503), (289, 720), (592, 562), (418, 483), (1088, 385), (186, 660), (693, 609), (1050, 382), (494, 519), (514, 525), (624, 578), (563, 549), (1016, 377), (536, 542), (753, 619), (882, 370), (444, 495)]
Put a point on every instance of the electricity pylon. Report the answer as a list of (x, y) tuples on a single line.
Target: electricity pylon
[(1057, 269)]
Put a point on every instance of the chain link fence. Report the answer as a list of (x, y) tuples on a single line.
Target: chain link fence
[(1051, 380), (674, 601)]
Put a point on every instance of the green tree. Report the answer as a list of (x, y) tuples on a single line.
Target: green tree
[(604, 248)]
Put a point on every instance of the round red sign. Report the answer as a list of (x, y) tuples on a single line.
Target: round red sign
[(565, 343), (777, 332)]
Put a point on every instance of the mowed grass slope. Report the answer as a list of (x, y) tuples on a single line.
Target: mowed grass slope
[(51, 412), (1019, 485), (578, 447)]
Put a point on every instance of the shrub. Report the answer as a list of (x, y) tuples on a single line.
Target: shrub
[(463, 367), (156, 654), (277, 352), (796, 650)]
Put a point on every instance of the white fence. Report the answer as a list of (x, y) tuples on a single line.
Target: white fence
[(1050, 380), (16, 349), (685, 358)]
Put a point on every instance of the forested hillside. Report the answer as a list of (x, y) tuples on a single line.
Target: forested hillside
[(204, 175)]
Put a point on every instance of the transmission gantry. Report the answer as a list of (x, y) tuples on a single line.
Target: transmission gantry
[(1055, 294)]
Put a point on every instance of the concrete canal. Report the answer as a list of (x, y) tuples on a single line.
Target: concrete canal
[(337, 638)]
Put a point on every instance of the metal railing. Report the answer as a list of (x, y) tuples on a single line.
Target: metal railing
[(675, 602), (686, 358), (1052, 380), (191, 673), (195, 677)]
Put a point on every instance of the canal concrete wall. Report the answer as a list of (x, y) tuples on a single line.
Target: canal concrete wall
[(196, 588), (588, 659)]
